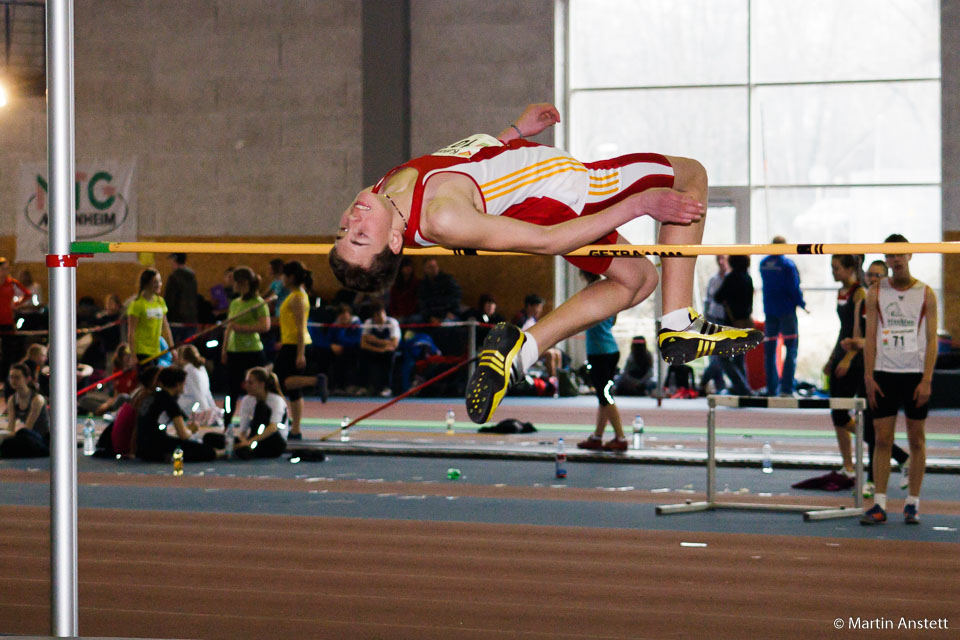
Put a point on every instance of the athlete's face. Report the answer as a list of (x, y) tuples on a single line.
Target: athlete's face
[(365, 228), (874, 273), (840, 272), (898, 263)]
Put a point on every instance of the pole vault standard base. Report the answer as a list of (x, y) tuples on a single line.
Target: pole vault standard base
[(810, 512)]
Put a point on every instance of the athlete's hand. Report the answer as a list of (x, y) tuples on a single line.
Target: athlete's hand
[(669, 205), (921, 395), (301, 363), (537, 117), (873, 390), (842, 369)]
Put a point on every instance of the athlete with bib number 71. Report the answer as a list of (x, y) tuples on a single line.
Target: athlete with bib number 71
[(900, 349)]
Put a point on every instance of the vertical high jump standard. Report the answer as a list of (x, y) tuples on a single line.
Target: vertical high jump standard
[(810, 512), (63, 352)]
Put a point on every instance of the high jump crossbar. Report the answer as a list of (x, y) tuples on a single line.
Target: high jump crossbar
[(592, 250), (810, 512)]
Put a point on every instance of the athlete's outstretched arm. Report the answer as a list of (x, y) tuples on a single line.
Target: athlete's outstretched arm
[(452, 220), (534, 119)]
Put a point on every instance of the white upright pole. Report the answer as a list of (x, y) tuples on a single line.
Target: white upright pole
[(63, 354)]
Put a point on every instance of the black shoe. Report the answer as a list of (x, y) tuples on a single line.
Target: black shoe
[(703, 338), (294, 436), (321, 388), (494, 371)]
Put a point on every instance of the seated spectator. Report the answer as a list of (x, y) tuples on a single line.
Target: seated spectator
[(124, 432), (438, 294), (29, 424), (344, 348), (485, 313), (197, 401), (114, 393), (35, 360), (161, 428), (636, 379), (262, 416), (378, 344), (403, 293), (552, 359)]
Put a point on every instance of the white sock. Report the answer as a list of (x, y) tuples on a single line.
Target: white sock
[(914, 500), (529, 353), (676, 320), (880, 499)]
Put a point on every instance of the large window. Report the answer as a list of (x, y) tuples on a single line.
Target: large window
[(818, 120)]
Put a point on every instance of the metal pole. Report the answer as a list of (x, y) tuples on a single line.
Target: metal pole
[(711, 452), (471, 346), (63, 355)]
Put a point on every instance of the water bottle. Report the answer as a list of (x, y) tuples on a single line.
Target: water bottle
[(89, 440), (453, 474), (451, 420), (228, 442), (344, 432), (767, 458), (638, 433), (561, 460), (178, 462)]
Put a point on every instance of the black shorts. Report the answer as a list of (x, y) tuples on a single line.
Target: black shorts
[(603, 366), (898, 391), (286, 365)]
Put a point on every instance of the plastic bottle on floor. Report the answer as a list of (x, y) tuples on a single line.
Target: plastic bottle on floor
[(178, 462), (638, 433), (89, 438), (767, 458), (451, 420), (228, 442), (344, 432), (561, 460)]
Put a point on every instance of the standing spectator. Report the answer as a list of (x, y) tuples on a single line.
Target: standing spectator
[(242, 348), (714, 312), (781, 297), (378, 344), (221, 294), (161, 428), (11, 345), (900, 351), (196, 401), (291, 365), (736, 296), (262, 416), (602, 359), (34, 296), (147, 318), (403, 293), (344, 349), (180, 294), (276, 284), (438, 294)]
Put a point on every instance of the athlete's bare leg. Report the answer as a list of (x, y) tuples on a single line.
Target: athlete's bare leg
[(918, 454), (884, 428), (627, 282), (678, 273)]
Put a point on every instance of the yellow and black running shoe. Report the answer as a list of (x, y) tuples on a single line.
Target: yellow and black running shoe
[(492, 377), (702, 338)]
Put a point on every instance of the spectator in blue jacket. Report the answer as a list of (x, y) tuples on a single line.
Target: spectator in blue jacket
[(781, 297), (345, 350)]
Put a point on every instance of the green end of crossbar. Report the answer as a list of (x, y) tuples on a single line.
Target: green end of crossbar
[(89, 247)]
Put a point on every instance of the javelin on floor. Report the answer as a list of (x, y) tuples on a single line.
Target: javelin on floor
[(591, 250), (399, 398)]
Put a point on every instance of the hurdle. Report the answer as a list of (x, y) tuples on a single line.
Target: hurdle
[(810, 512)]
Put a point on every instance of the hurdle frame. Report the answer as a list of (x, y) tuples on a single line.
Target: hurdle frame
[(810, 512)]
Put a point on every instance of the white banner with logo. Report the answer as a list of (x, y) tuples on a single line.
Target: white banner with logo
[(105, 201)]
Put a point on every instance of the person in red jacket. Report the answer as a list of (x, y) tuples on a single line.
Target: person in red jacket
[(12, 295)]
